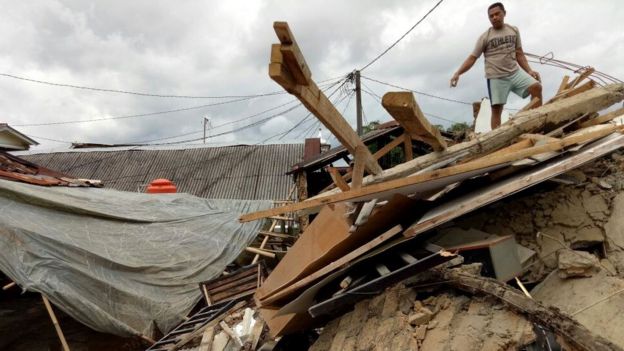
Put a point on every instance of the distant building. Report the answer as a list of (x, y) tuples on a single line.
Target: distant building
[(246, 172), (12, 140)]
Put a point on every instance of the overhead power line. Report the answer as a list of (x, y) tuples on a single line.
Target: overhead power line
[(402, 36), (136, 92), (417, 92), (133, 116), (162, 112)]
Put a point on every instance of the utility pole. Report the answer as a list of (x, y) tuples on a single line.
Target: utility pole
[(206, 123), (358, 103)]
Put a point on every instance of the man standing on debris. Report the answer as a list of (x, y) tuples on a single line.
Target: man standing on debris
[(502, 49)]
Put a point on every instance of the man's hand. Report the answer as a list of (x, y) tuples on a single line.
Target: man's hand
[(454, 80), (535, 75)]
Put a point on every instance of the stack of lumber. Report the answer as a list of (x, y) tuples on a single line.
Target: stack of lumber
[(387, 208)]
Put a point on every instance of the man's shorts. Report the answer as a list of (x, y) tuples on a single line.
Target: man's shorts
[(518, 82)]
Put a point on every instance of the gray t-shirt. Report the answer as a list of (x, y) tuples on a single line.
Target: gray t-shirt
[(499, 49)]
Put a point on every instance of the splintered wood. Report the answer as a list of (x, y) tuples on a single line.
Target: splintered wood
[(289, 69)]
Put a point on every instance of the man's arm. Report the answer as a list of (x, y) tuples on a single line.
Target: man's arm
[(524, 64), (470, 61)]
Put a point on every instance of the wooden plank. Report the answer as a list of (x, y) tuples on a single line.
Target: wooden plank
[(389, 146), (311, 247), (260, 252), (403, 108), (247, 287), (558, 112), (292, 54), (55, 322), (289, 76), (276, 54), (484, 196), (296, 64), (535, 102), (393, 185), (318, 103), (305, 281), (586, 73), (563, 85), (337, 179), (358, 167), (573, 91), (226, 328), (604, 118), (407, 148), (206, 341), (280, 74), (277, 235), (537, 137), (256, 333)]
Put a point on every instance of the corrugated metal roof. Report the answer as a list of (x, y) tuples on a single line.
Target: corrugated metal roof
[(253, 172), (17, 169)]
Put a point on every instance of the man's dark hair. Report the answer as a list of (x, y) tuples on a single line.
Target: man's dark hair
[(497, 4)]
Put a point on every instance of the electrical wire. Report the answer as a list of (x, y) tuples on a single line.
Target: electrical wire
[(403, 36), (117, 91), (133, 116), (417, 92), (155, 113)]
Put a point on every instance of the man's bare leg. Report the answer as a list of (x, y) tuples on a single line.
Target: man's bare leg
[(536, 92), (497, 111)]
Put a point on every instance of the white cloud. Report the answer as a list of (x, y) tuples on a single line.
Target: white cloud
[(222, 48)]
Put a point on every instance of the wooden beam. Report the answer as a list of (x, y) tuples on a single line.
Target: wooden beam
[(337, 179), (358, 167), (407, 148), (260, 252), (389, 146), (563, 85), (537, 137), (535, 102), (604, 118), (403, 108), (295, 77), (394, 185), (573, 91), (296, 64), (556, 113), (481, 197), (586, 73)]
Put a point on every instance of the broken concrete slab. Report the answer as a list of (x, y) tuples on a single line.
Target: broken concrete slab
[(574, 263)]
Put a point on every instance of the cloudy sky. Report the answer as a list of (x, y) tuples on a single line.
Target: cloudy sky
[(201, 49)]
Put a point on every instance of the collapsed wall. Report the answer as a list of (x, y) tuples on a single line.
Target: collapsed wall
[(584, 215)]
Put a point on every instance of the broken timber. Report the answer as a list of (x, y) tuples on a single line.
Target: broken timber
[(403, 108), (406, 185), (289, 69), (559, 323), (530, 121)]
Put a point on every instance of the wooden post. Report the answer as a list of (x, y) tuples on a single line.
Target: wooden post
[(407, 147), (302, 194), (57, 326), (358, 103)]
